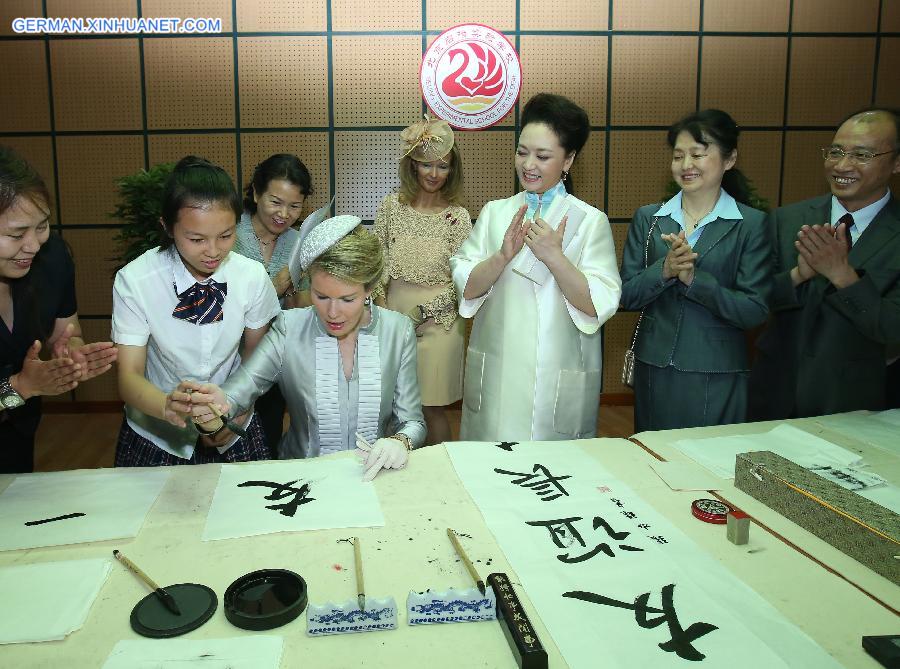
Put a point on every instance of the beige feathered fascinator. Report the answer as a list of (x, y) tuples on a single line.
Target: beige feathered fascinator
[(427, 140)]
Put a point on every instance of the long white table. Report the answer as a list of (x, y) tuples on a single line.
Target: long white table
[(412, 552)]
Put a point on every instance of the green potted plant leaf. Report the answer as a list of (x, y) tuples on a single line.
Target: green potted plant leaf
[(139, 208)]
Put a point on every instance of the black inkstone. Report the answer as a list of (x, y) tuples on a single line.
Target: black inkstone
[(265, 599), (151, 618)]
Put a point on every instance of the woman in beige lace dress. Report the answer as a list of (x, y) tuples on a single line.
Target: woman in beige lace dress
[(420, 227)]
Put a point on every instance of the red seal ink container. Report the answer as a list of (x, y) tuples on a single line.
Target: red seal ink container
[(711, 511)]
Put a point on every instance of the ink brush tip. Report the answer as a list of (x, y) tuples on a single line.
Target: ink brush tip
[(480, 585), (168, 601)]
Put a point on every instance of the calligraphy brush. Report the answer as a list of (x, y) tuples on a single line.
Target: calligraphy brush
[(360, 584), (167, 599), (229, 424), (466, 561), (351, 616), (225, 422)]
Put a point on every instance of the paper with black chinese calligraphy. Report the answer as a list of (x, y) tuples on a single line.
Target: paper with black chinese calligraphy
[(616, 584), (61, 508), (289, 496)]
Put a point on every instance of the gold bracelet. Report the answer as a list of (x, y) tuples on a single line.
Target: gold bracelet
[(403, 439)]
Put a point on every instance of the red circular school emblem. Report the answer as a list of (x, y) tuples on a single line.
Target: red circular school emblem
[(470, 76)]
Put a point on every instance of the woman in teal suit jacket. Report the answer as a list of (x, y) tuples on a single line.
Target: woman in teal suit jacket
[(698, 267)]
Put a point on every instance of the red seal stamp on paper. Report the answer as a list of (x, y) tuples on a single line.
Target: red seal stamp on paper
[(470, 76)]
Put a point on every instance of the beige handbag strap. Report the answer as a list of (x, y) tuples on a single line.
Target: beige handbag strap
[(646, 264)]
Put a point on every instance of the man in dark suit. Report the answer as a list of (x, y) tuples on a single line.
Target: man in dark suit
[(835, 311)]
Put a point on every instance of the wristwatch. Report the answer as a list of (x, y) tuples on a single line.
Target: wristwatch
[(9, 398)]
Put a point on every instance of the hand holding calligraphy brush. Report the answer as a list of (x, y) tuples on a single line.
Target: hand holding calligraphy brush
[(167, 599), (202, 421), (466, 561)]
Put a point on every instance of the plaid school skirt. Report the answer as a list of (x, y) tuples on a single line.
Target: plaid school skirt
[(133, 450)]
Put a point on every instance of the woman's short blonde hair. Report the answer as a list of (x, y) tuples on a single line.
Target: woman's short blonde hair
[(452, 189), (356, 258)]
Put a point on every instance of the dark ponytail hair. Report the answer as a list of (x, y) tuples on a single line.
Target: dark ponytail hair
[(713, 126), (567, 120), (278, 166), (196, 182)]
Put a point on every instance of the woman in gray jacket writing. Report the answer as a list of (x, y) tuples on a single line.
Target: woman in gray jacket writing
[(346, 367)]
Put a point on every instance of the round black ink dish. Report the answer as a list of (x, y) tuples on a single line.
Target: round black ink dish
[(265, 599), (151, 618)]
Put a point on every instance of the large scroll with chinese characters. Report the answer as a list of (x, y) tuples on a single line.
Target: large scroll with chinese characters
[(616, 583)]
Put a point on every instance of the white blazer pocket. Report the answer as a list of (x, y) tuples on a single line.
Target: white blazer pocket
[(574, 414)]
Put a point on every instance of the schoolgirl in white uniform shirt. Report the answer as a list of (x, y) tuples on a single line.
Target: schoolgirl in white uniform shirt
[(181, 311)]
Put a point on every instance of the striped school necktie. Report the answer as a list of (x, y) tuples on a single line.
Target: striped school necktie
[(201, 303)]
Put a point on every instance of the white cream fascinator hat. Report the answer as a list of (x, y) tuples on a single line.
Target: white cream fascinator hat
[(316, 237)]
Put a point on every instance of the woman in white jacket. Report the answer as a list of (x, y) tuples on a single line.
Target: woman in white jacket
[(539, 275)]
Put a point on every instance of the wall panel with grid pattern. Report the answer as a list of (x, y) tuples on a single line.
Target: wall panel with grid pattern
[(96, 84), (277, 91), (335, 80), (11, 9), (189, 83), (747, 16), (25, 87), (654, 78)]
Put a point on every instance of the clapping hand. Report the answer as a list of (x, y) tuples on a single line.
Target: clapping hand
[(93, 359), (514, 239), (45, 377), (544, 241), (825, 252), (680, 259)]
